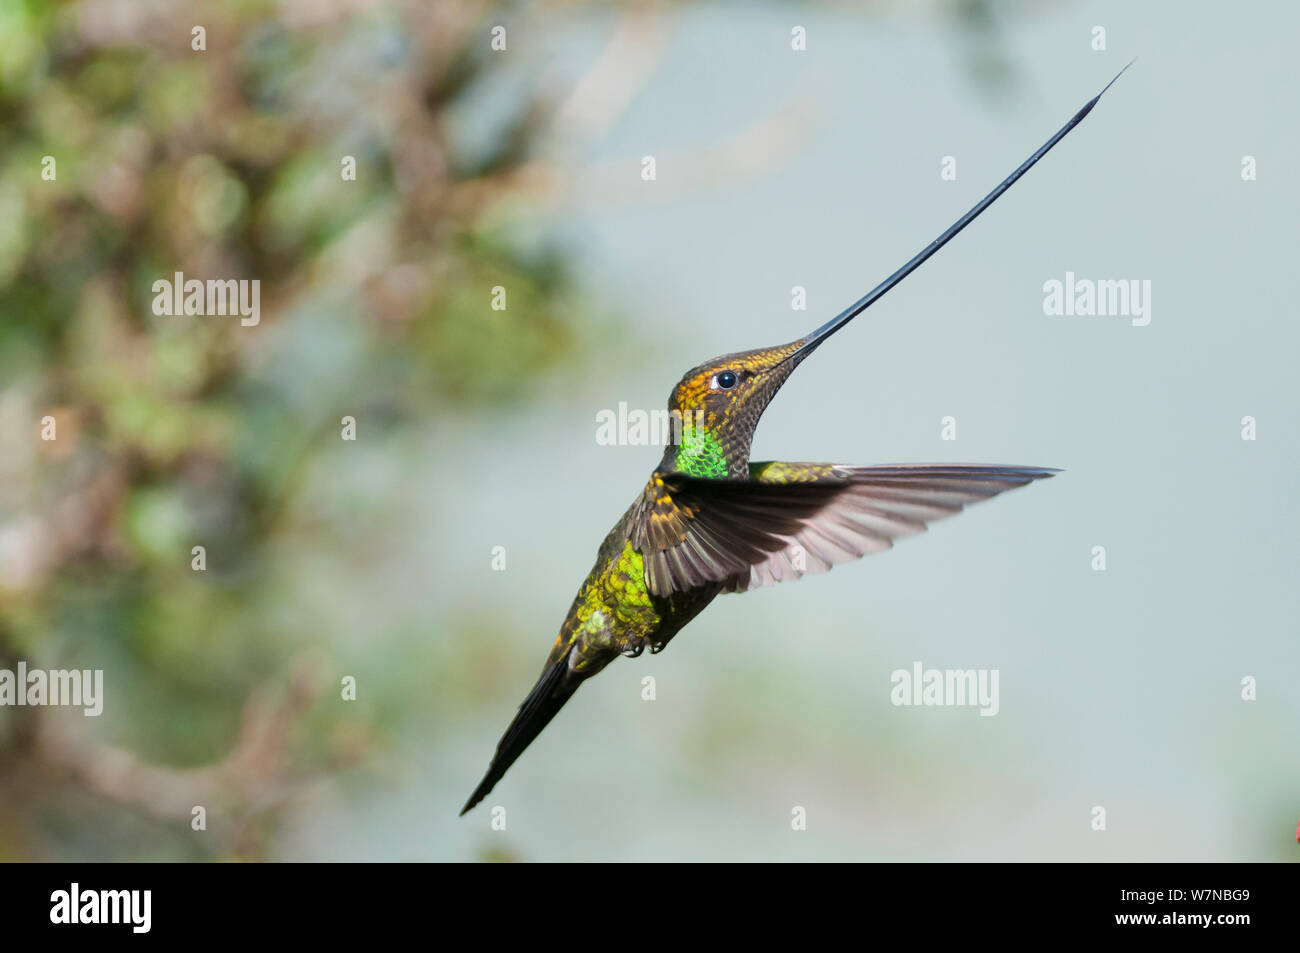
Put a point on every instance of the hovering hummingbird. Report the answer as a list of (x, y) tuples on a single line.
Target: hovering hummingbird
[(710, 521)]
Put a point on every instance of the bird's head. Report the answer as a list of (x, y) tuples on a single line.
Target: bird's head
[(718, 405)]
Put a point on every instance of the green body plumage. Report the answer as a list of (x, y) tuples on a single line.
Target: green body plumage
[(614, 612)]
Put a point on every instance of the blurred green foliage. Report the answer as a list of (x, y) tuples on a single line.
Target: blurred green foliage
[(173, 431)]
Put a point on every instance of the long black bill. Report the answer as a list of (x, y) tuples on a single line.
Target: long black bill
[(878, 292)]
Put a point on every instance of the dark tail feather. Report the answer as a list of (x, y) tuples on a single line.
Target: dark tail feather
[(548, 696)]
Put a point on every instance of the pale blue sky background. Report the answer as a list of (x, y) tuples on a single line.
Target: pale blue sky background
[(1120, 688)]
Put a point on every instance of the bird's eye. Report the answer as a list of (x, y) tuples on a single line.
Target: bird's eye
[(726, 380)]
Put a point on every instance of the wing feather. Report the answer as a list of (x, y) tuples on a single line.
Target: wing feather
[(791, 519)]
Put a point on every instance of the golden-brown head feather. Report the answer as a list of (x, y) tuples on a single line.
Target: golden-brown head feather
[(726, 414)]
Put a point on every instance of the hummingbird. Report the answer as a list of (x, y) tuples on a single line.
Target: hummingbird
[(710, 521)]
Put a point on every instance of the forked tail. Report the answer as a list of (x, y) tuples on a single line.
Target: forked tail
[(548, 696)]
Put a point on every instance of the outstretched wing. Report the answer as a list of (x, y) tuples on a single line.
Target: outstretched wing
[(789, 519)]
